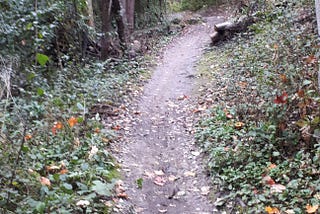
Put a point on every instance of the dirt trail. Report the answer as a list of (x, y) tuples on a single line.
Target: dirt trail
[(160, 149)]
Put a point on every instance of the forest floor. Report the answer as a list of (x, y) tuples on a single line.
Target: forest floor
[(162, 168)]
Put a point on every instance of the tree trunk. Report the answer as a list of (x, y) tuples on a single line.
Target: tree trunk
[(317, 2), (119, 16), (90, 13), (106, 28), (130, 5)]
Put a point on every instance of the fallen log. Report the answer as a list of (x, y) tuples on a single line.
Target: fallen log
[(227, 29)]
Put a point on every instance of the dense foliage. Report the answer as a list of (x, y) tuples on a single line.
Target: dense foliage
[(54, 96), (262, 137)]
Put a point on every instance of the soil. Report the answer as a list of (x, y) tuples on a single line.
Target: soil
[(162, 168)]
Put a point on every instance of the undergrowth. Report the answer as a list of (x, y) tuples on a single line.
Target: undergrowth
[(262, 133), (54, 155)]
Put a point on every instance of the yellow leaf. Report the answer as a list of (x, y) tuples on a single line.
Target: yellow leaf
[(272, 210), (311, 209)]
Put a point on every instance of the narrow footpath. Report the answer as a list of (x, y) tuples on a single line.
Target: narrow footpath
[(162, 169)]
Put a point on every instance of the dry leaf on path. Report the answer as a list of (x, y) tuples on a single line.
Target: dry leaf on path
[(172, 178), (205, 190), (160, 181), (158, 172), (189, 174)]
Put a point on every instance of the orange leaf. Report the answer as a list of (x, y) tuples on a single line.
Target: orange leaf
[(272, 210), (54, 130), (45, 181), (311, 209), (300, 93), (310, 59), (283, 78), (28, 137), (281, 99), (58, 125), (122, 195), (63, 171), (272, 166), (72, 121)]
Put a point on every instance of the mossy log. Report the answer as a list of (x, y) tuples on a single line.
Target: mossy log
[(227, 29)]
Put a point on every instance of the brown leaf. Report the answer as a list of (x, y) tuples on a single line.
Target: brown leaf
[(268, 180), (122, 195)]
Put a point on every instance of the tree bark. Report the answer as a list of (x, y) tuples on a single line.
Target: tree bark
[(120, 19), (90, 13), (130, 6), (317, 2), (106, 28)]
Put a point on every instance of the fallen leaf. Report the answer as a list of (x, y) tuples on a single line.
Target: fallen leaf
[(238, 125), (149, 174), (72, 121), (183, 97), (45, 181), (28, 137), (172, 178), (108, 204), (122, 195), (83, 203), (272, 166), (63, 171), (311, 209), (158, 172), (283, 78), (272, 210), (282, 99), (268, 180), (195, 153), (116, 128), (160, 181), (289, 211), (181, 193), (189, 174), (310, 59), (300, 93), (277, 188), (205, 190)]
